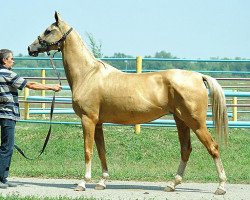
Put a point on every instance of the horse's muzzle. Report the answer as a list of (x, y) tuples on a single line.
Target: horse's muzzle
[(32, 53)]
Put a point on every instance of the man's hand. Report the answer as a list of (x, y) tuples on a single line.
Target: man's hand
[(57, 88)]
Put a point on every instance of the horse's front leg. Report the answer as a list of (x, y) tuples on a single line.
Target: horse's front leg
[(100, 145), (88, 126)]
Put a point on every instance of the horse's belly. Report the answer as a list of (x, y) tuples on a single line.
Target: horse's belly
[(131, 116)]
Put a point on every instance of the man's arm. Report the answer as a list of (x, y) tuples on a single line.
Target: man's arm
[(39, 86)]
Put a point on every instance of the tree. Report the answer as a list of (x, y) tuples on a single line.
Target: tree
[(121, 55), (96, 47), (163, 54), (121, 64), (162, 65)]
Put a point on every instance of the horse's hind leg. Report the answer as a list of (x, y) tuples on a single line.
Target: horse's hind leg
[(185, 143), (100, 145), (212, 147)]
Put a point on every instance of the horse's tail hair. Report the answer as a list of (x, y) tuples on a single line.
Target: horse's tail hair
[(219, 109)]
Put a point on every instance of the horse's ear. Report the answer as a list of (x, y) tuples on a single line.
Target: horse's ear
[(57, 17)]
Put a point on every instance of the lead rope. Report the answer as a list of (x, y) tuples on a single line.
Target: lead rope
[(51, 113)]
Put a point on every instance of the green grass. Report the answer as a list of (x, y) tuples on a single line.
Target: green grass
[(152, 155)]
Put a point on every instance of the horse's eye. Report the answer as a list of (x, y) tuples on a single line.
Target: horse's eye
[(47, 32)]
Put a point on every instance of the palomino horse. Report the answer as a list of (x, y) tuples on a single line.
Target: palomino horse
[(101, 93)]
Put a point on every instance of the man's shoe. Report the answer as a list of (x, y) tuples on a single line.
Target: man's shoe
[(3, 185), (9, 184)]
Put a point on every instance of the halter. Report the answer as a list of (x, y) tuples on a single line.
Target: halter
[(45, 45)]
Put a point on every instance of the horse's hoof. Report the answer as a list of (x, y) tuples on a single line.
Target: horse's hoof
[(220, 191), (170, 187), (99, 187), (79, 188)]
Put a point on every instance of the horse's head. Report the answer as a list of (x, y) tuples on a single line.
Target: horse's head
[(51, 39)]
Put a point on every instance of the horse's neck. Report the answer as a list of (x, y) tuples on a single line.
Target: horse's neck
[(77, 59)]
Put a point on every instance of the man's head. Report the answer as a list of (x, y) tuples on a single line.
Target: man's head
[(6, 58)]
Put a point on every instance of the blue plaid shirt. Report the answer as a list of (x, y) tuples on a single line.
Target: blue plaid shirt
[(9, 83)]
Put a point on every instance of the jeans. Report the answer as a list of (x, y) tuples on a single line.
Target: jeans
[(7, 146)]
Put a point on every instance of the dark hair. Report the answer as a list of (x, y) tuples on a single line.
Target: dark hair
[(4, 53)]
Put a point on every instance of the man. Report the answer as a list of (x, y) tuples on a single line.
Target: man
[(10, 82)]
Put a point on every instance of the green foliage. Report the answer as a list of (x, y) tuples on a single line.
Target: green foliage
[(96, 47), (122, 64), (35, 64), (195, 66)]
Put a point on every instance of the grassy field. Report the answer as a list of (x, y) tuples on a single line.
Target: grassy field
[(152, 155)]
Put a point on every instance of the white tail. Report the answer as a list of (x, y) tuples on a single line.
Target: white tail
[(219, 108)]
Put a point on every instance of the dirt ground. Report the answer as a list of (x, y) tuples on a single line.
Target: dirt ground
[(124, 190)]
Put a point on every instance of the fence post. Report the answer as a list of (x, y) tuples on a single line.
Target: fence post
[(26, 104), (235, 113), (138, 70), (43, 74)]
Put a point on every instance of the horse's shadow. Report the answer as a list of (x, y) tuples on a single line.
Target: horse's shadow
[(110, 186), (150, 188), (50, 185)]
